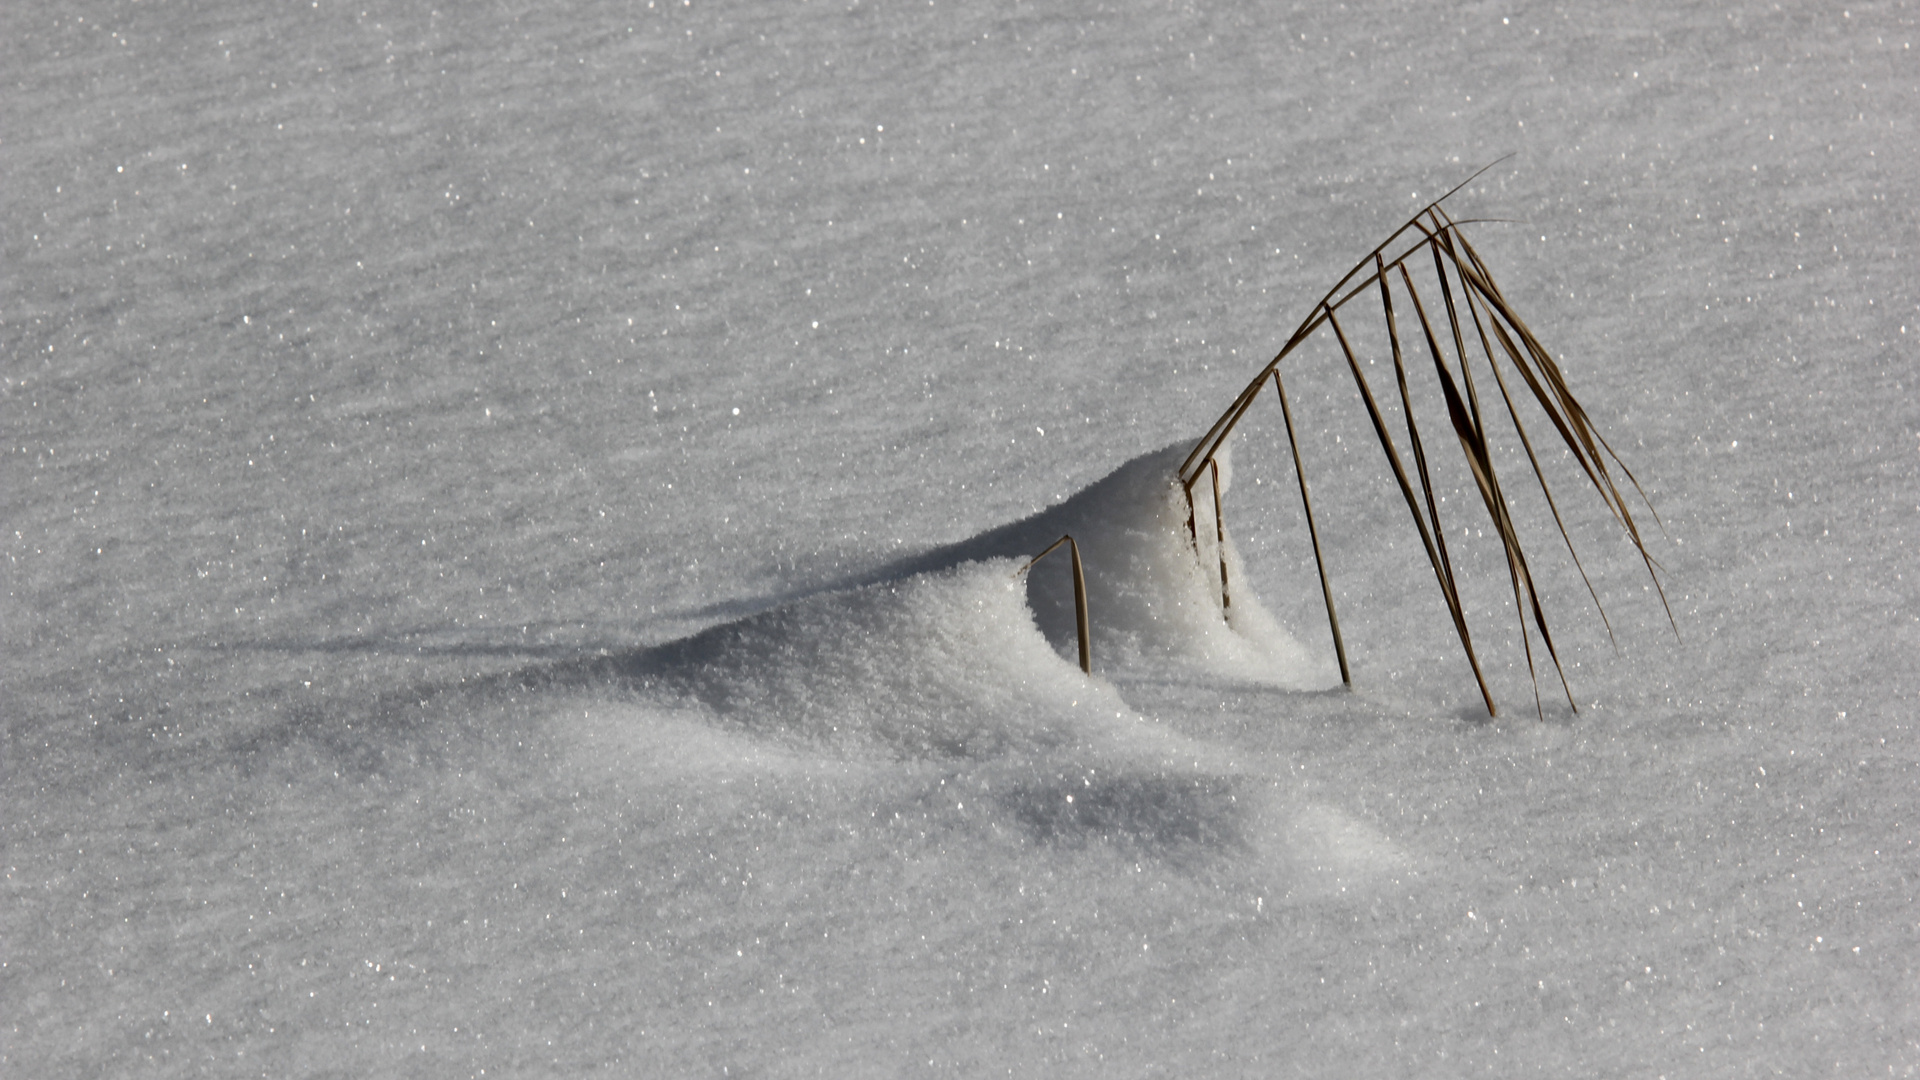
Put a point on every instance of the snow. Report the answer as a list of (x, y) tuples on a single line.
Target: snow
[(514, 521)]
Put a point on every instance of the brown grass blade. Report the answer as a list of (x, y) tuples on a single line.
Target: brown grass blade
[(1406, 489), (1081, 623), (1448, 581), (1592, 439), (1210, 443), (1313, 532), (1547, 362), (1479, 425), (1220, 542), (1473, 441), (1468, 429)]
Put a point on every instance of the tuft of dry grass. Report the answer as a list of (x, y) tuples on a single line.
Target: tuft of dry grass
[(1477, 314)]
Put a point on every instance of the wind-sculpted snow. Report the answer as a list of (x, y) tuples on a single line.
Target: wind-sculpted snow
[(430, 428), (940, 664), (945, 663), (1154, 598), (931, 684)]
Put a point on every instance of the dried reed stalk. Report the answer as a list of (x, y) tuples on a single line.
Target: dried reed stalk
[(1079, 597), (1500, 334), (1220, 542), (1313, 533)]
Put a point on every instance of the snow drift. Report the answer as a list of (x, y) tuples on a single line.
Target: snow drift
[(950, 673), (944, 663), (1152, 587), (938, 689), (960, 652)]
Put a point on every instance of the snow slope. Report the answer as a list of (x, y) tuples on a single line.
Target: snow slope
[(509, 565)]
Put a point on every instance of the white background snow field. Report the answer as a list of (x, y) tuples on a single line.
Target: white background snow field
[(506, 573)]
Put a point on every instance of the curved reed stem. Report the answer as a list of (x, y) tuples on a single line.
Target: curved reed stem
[(1079, 597)]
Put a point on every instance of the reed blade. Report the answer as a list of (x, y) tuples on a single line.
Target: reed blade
[(1081, 623), (1400, 474), (1313, 532), (1478, 424)]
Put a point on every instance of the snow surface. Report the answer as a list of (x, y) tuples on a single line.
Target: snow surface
[(508, 565)]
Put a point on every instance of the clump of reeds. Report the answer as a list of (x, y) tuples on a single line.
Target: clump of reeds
[(1477, 314)]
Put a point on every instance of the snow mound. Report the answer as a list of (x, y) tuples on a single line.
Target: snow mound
[(948, 678), (959, 653), (1153, 588), (943, 663)]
